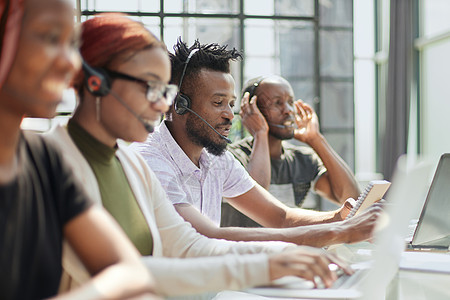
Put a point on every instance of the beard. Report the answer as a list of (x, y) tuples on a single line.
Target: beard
[(199, 133), (281, 133)]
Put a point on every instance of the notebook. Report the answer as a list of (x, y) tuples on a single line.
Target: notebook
[(432, 230), (373, 192), (392, 228)]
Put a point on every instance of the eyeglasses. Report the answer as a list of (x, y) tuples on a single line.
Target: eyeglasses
[(155, 89)]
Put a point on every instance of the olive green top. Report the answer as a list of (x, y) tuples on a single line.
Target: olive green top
[(117, 196)]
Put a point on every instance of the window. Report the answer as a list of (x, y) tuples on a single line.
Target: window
[(309, 42), (433, 105)]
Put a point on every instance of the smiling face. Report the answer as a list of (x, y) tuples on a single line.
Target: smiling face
[(213, 100), (149, 65), (46, 59), (276, 103)]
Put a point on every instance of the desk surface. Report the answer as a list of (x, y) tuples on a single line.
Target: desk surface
[(422, 275)]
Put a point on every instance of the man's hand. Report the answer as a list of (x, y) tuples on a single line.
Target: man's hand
[(361, 227), (306, 262), (307, 122), (251, 116), (345, 209)]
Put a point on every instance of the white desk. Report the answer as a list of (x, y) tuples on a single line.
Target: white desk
[(421, 275)]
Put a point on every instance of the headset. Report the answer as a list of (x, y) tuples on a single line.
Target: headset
[(252, 88), (98, 83), (96, 80), (182, 103), (252, 91)]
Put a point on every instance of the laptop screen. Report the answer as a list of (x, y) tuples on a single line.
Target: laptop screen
[(433, 228)]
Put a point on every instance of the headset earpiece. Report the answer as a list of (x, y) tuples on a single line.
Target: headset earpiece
[(96, 80), (252, 89), (182, 104)]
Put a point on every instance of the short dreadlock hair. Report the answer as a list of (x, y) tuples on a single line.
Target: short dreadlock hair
[(212, 57)]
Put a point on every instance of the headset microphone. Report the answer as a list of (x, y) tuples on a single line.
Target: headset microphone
[(210, 126), (149, 127)]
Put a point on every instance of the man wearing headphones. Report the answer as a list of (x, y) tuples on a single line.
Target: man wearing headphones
[(289, 172), (188, 154)]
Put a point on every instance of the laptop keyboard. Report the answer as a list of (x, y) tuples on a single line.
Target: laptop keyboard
[(348, 281)]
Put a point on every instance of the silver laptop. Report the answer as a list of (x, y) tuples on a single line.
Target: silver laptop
[(432, 230), (370, 281)]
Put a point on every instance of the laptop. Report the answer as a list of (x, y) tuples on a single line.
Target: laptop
[(371, 278), (432, 230)]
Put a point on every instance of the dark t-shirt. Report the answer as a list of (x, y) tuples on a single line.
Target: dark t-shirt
[(34, 207), (292, 176)]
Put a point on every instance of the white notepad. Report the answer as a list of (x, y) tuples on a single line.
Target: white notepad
[(373, 192)]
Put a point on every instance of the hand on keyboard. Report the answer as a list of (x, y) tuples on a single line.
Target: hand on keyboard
[(308, 263), (318, 283)]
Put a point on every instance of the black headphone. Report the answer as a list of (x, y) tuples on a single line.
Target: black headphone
[(96, 80), (252, 88), (183, 102)]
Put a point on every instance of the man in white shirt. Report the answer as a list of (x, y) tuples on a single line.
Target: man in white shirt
[(188, 154)]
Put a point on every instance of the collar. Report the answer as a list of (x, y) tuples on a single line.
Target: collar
[(179, 157), (89, 145)]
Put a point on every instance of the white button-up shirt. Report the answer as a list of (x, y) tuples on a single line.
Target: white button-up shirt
[(204, 187)]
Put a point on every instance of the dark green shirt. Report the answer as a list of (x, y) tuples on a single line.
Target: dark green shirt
[(117, 196), (298, 168), (292, 176)]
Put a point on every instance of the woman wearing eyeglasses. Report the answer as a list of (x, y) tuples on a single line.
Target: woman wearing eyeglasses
[(122, 92)]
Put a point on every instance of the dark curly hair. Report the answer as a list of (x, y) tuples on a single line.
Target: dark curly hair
[(212, 57)]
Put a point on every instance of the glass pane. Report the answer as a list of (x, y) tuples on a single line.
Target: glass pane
[(435, 17), (259, 7), (85, 4), (202, 6), (254, 67), (336, 53), (149, 6), (254, 30), (435, 104), (336, 13), (175, 6), (221, 31), (118, 5), (294, 8), (173, 29), (303, 89), (108, 5), (152, 24), (296, 44), (336, 105), (343, 144)]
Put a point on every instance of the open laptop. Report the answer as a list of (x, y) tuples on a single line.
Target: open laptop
[(370, 282), (432, 230)]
